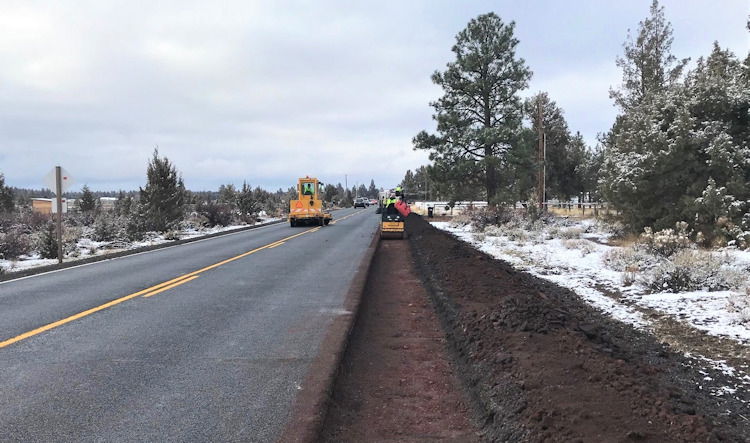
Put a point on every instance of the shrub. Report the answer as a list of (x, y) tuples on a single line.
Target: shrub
[(216, 214), (46, 242), (582, 245), (136, 225), (14, 244), (570, 233), (71, 236), (107, 227), (172, 235), (666, 242), (634, 258), (691, 270), (740, 303), (479, 237)]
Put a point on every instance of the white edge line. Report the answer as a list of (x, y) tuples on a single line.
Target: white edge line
[(138, 253)]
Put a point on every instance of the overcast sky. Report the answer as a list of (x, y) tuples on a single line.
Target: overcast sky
[(268, 91)]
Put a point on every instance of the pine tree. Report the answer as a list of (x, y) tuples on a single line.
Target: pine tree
[(47, 243), (163, 198), (7, 204), (677, 143), (372, 190), (648, 65), (228, 195), (87, 202), (559, 162), (479, 115), (247, 203)]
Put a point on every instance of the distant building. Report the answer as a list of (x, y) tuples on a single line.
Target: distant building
[(107, 203), (47, 205)]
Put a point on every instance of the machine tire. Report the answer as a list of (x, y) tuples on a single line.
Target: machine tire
[(328, 220), (293, 223), (320, 221)]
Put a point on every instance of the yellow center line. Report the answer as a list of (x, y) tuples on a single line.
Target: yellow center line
[(165, 288), (344, 218), (150, 290), (153, 290)]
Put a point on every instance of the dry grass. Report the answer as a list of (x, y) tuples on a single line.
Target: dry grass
[(626, 241)]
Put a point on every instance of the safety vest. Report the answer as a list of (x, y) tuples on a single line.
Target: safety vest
[(390, 201)]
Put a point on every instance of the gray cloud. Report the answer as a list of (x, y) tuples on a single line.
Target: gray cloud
[(268, 91)]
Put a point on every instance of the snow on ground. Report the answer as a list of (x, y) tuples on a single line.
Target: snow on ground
[(578, 264), (88, 248)]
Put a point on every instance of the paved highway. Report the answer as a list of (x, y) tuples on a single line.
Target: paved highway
[(207, 341)]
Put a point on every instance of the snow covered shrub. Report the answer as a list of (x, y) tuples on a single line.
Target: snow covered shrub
[(571, 233), (666, 242), (107, 227), (740, 303), (629, 275), (480, 218), (613, 228), (494, 231), (582, 245), (532, 207), (136, 225), (172, 235), (217, 214), (461, 220), (14, 244), (693, 270), (478, 237), (517, 235), (71, 236), (720, 218), (634, 258), (46, 241)]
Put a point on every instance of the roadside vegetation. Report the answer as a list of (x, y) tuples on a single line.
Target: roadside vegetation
[(162, 210), (678, 151)]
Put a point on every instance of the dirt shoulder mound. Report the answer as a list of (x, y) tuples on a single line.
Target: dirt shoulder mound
[(545, 366)]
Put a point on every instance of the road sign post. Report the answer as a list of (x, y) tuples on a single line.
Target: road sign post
[(58, 193), (58, 180)]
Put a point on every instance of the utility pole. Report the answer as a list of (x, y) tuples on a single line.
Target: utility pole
[(541, 155), (58, 192)]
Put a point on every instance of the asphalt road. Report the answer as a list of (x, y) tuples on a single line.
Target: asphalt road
[(109, 352)]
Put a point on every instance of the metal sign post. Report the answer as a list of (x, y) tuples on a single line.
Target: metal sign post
[(58, 180), (58, 193)]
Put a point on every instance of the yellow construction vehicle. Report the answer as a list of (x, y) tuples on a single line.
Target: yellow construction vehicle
[(393, 215), (308, 208)]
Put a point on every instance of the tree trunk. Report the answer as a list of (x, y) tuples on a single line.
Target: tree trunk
[(490, 176)]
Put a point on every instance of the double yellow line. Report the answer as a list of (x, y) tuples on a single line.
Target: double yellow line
[(148, 292), (156, 289)]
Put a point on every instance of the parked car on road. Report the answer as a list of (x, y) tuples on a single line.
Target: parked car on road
[(360, 202)]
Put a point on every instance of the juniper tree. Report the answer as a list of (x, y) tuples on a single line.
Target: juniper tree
[(247, 202), (648, 65), (6, 197), (668, 143), (162, 200), (228, 195), (372, 190), (479, 115), (87, 202)]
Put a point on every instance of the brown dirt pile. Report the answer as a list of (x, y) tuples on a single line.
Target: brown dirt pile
[(545, 366)]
